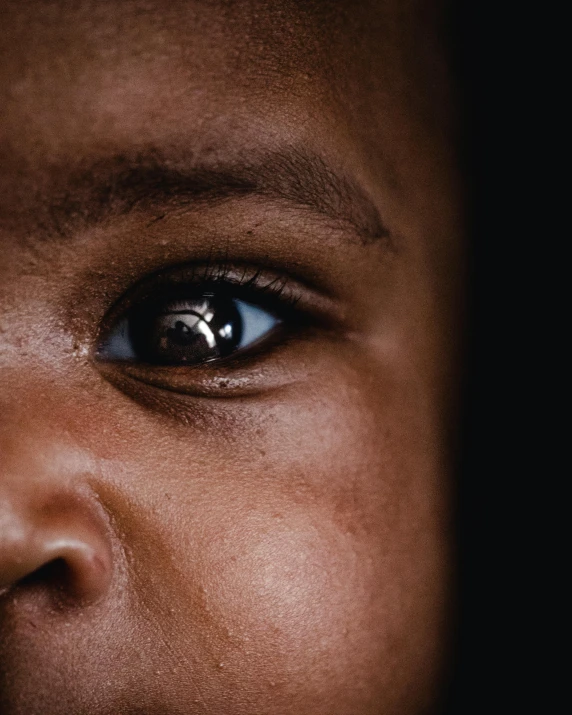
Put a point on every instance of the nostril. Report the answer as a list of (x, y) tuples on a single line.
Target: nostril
[(52, 580), (68, 557), (55, 575), (58, 580), (66, 580)]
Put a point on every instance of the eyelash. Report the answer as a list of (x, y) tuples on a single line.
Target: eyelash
[(211, 274), (278, 288)]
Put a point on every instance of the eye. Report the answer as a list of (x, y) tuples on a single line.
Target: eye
[(188, 329)]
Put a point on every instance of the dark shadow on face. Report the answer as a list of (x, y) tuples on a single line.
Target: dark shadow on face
[(262, 525)]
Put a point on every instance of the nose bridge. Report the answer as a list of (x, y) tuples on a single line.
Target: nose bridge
[(48, 516)]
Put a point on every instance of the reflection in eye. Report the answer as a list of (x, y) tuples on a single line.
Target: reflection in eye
[(187, 331)]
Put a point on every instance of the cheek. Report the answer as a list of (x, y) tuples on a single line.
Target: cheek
[(269, 606), (296, 558), (290, 583)]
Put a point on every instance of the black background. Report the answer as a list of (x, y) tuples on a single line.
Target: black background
[(508, 489)]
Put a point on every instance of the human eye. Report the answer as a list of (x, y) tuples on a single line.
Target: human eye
[(204, 318), (189, 326), (194, 327)]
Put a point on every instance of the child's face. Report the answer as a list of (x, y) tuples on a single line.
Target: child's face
[(228, 289)]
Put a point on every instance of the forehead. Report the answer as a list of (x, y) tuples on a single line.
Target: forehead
[(133, 65), (291, 31)]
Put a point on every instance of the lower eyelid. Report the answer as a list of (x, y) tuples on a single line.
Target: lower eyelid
[(199, 381), (246, 376)]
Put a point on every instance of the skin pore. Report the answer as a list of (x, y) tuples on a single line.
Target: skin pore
[(260, 533)]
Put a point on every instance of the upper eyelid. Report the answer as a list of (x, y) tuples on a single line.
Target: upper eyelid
[(283, 288), (205, 276)]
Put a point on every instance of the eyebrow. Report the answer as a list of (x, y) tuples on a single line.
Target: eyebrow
[(151, 180)]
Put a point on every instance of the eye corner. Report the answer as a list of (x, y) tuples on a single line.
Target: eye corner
[(114, 344)]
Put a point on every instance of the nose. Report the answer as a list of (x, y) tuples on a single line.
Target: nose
[(65, 555), (53, 537)]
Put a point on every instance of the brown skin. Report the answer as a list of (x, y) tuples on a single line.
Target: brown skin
[(270, 534)]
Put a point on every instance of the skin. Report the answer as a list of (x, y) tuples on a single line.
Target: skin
[(271, 535)]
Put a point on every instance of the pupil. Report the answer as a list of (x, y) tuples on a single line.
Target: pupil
[(186, 331), (181, 334)]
